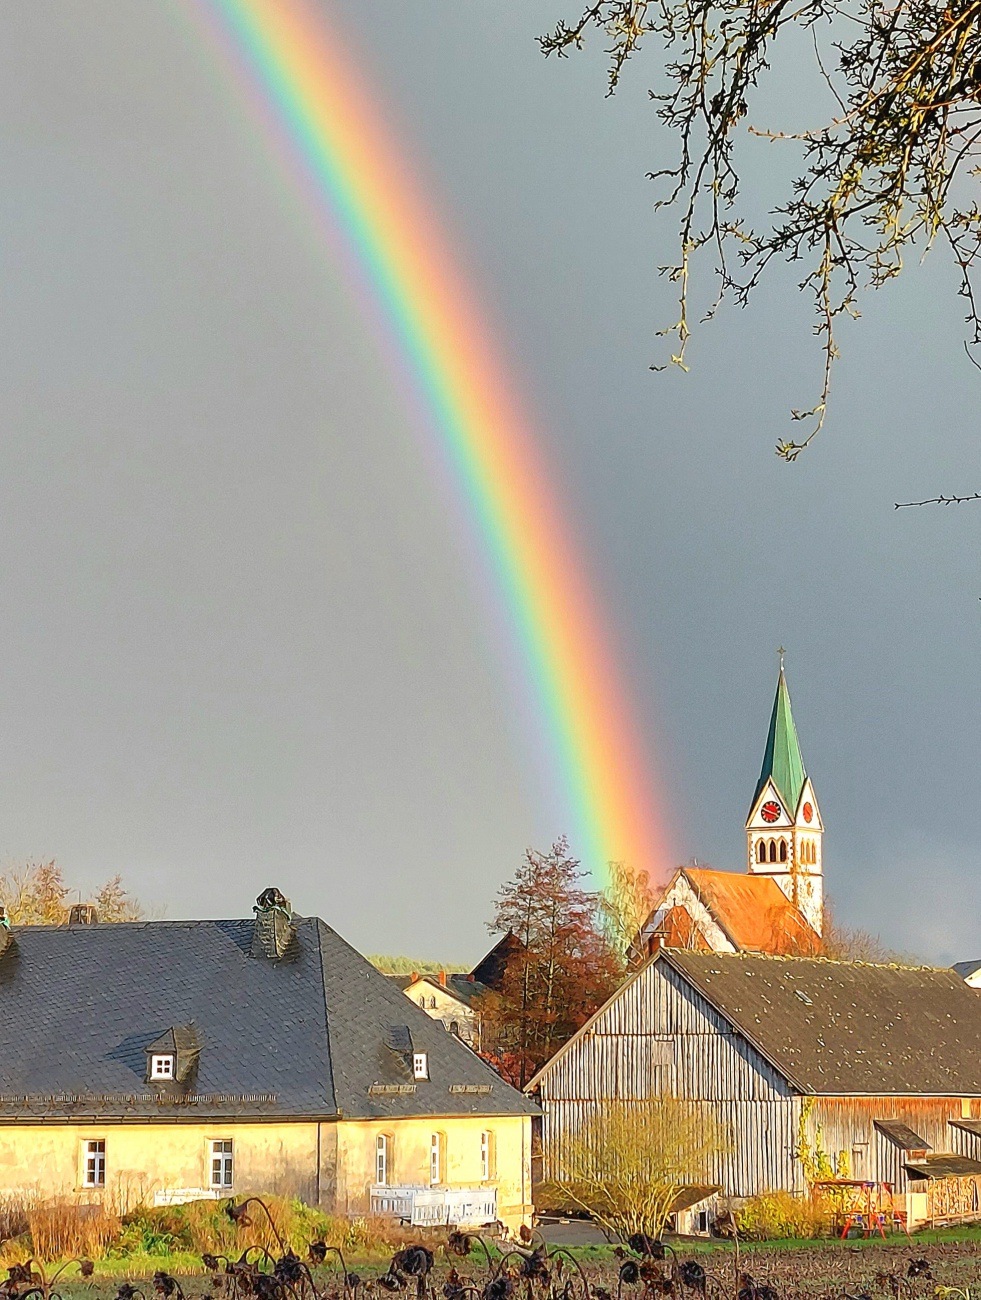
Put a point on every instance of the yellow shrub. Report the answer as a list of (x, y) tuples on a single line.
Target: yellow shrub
[(779, 1216)]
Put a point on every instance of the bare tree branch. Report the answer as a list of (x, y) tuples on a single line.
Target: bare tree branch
[(884, 175)]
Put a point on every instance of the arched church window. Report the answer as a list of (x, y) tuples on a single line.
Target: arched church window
[(783, 850), (761, 850), (773, 850)]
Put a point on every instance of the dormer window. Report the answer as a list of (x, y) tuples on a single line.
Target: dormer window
[(172, 1059), (161, 1067), (420, 1065)]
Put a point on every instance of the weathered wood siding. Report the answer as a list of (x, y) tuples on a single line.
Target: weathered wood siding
[(847, 1122), (661, 1037)]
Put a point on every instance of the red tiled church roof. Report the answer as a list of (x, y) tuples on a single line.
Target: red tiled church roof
[(753, 911)]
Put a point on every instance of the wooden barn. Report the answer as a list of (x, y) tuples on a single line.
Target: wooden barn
[(872, 1071)]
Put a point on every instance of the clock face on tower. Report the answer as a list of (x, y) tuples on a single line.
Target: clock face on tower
[(808, 812), (770, 811)]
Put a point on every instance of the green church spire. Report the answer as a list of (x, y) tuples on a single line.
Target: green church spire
[(782, 762)]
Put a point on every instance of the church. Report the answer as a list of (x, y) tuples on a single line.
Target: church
[(839, 1073), (777, 907)]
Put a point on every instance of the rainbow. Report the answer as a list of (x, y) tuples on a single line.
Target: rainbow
[(321, 123)]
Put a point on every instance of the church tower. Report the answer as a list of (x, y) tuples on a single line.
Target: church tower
[(784, 827)]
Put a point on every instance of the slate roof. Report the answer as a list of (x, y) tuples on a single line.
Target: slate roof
[(753, 911), (302, 1037), (847, 1028)]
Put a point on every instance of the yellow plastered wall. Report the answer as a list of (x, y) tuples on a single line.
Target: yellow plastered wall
[(332, 1163), (409, 1147), (143, 1160)]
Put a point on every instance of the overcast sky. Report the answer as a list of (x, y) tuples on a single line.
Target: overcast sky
[(240, 644)]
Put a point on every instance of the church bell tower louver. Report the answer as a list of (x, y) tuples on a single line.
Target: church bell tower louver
[(784, 828)]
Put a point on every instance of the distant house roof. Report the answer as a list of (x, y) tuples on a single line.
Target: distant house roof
[(491, 968), (753, 911), (313, 1034), (965, 969), (847, 1028), (463, 987)]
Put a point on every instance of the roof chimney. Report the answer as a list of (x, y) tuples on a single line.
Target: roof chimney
[(274, 931), (442, 978), (83, 914), (414, 977)]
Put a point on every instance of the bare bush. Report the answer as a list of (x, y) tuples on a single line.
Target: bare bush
[(629, 1162)]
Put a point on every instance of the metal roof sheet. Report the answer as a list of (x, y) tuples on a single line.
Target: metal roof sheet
[(782, 761)]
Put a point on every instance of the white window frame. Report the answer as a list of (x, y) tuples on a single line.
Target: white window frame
[(420, 1065), (162, 1066), (94, 1162), (486, 1156), (382, 1153), (437, 1154), (222, 1163)]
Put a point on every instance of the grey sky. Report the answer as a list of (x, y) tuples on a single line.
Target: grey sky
[(241, 643)]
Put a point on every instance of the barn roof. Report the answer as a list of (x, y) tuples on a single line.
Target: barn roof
[(847, 1028), (319, 1033)]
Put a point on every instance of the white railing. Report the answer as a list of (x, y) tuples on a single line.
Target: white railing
[(436, 1207)]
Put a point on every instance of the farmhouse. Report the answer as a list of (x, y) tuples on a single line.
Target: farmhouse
[(454, 999), (449, 998), (170, 1060), (872, 1071), (778, 905)]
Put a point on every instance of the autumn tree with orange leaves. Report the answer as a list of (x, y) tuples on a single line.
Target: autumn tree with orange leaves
[(561, 970)]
